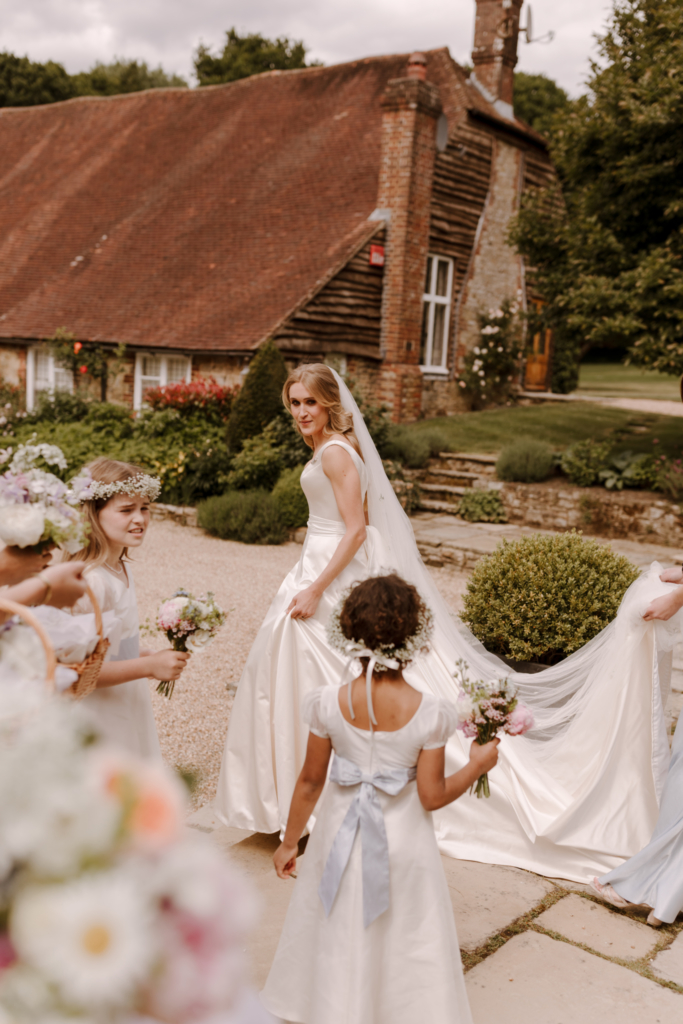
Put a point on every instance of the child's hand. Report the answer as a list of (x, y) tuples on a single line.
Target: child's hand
[(284, 860), (672, 575), (167, 665), (484, 757), (66, 580)]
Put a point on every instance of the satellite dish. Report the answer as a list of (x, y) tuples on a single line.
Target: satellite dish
[(442, 133)]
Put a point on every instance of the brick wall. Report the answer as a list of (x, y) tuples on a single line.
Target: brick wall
[(410, 109), (226, 370), (494, 56)]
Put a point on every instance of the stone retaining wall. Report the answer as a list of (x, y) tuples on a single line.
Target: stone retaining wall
[(634, 515)]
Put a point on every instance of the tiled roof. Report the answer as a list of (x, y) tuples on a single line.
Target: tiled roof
[(195, 218)]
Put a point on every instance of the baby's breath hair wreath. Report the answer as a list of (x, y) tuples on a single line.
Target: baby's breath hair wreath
[(142, 485), (417, 643)]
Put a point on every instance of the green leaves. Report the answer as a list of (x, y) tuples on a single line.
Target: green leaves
[(609, 259), (243, 56), (540, 598)]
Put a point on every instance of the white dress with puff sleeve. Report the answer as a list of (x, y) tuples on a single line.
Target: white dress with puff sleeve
[(405, 967)]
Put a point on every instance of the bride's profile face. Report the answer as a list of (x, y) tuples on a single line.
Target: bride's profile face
[(310, 415)]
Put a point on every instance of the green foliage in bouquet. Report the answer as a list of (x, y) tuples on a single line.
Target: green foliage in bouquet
[(540, 598), (259, 400), (482, 507), (252, 517), (290, 499), (584, 461), (525, 461)]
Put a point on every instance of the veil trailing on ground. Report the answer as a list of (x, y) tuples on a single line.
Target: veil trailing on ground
[(558, 695)]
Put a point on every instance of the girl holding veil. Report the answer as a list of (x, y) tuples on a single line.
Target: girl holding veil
[(572, 798)]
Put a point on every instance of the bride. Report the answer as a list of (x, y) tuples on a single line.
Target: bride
[(572, 799)]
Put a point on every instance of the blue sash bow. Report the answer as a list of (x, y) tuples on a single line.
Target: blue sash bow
[(365, 811)]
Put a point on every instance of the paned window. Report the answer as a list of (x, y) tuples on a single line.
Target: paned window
[(43, 374), (154, 370), (436, 314)]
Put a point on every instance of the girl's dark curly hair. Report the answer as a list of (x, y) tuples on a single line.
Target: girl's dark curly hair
[(383, 611)]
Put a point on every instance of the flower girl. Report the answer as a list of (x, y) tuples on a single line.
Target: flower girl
[(369, 936), (116, 498)]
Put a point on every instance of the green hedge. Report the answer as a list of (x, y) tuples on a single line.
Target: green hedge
[(252, 517), (290, 499)]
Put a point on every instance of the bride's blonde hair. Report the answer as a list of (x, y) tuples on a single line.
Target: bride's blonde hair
[(320, 381)]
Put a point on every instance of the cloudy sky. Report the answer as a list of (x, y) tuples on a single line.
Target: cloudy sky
[(79, 32)]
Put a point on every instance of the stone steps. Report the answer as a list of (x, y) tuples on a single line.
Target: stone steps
[(449, 475)]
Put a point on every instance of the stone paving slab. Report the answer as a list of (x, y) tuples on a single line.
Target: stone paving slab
[(487, 898), (445, 539), (669, 963), (534, 979), (594, 925)]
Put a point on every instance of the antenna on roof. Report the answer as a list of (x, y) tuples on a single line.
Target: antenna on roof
[(529, 32)]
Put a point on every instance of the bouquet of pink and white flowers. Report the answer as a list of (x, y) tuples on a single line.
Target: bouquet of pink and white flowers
[(486, 709), (190, 623), (110, 910), (37, 509)]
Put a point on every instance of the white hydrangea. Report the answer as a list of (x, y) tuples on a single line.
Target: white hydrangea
[(22, 525)]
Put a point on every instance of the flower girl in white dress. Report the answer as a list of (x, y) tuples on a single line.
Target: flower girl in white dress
[(369, 936), (116, 498)]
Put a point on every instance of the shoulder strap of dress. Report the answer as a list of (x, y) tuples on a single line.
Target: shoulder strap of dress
[(342, 444)]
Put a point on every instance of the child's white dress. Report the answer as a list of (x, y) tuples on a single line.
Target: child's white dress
[(405, 967), (123, 713)]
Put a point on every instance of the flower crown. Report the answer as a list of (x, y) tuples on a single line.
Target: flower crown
[(143, 485), (417, 643)]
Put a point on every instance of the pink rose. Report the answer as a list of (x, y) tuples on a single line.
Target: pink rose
[(468, 729), (520, 721)]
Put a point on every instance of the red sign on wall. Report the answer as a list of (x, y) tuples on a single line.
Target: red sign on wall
[(376, 255)]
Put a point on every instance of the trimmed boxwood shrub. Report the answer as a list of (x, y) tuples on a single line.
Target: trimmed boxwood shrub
[(248, 516), (540, 598), (526, 461), (413, 448), (290, 499)]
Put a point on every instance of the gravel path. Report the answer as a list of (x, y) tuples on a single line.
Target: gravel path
[(244, 578)]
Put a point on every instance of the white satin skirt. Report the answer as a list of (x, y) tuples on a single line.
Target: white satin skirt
[(266, 744)]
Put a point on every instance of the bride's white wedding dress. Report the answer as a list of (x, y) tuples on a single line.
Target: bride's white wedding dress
[(571, 799)]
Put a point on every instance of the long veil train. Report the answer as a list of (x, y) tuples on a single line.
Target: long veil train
[(579, 793)]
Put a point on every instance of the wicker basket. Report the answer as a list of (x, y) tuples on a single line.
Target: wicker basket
[(89, 670), (29, 618)]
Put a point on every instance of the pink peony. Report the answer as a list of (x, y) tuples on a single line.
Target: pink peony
[(520, 721)]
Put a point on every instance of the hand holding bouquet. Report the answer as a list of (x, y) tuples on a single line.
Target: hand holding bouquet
[(486, 709), (190, 623)]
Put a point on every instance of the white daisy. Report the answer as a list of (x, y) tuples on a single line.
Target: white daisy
[(92, 938)]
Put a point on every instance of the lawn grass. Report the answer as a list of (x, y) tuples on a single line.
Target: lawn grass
[(612, 380), (560, 424)]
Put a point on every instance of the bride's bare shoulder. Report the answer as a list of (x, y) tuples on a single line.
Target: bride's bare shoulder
[(342, 439)]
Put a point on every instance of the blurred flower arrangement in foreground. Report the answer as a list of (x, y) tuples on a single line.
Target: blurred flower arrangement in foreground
[(38, 509), (108, 908)]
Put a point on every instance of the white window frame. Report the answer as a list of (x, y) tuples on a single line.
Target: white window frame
[(163, 357), (431, 300), (31, 393)]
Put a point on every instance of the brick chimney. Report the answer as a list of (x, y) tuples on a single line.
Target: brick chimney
[(410, 108), (495, 50)]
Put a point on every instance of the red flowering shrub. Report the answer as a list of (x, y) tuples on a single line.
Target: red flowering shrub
[(203, 394)]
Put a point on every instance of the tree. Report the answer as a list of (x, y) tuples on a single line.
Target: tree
[(259, 400), (537, 100), (24, 83), (243, 56), (608, 253), (122, 76)]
